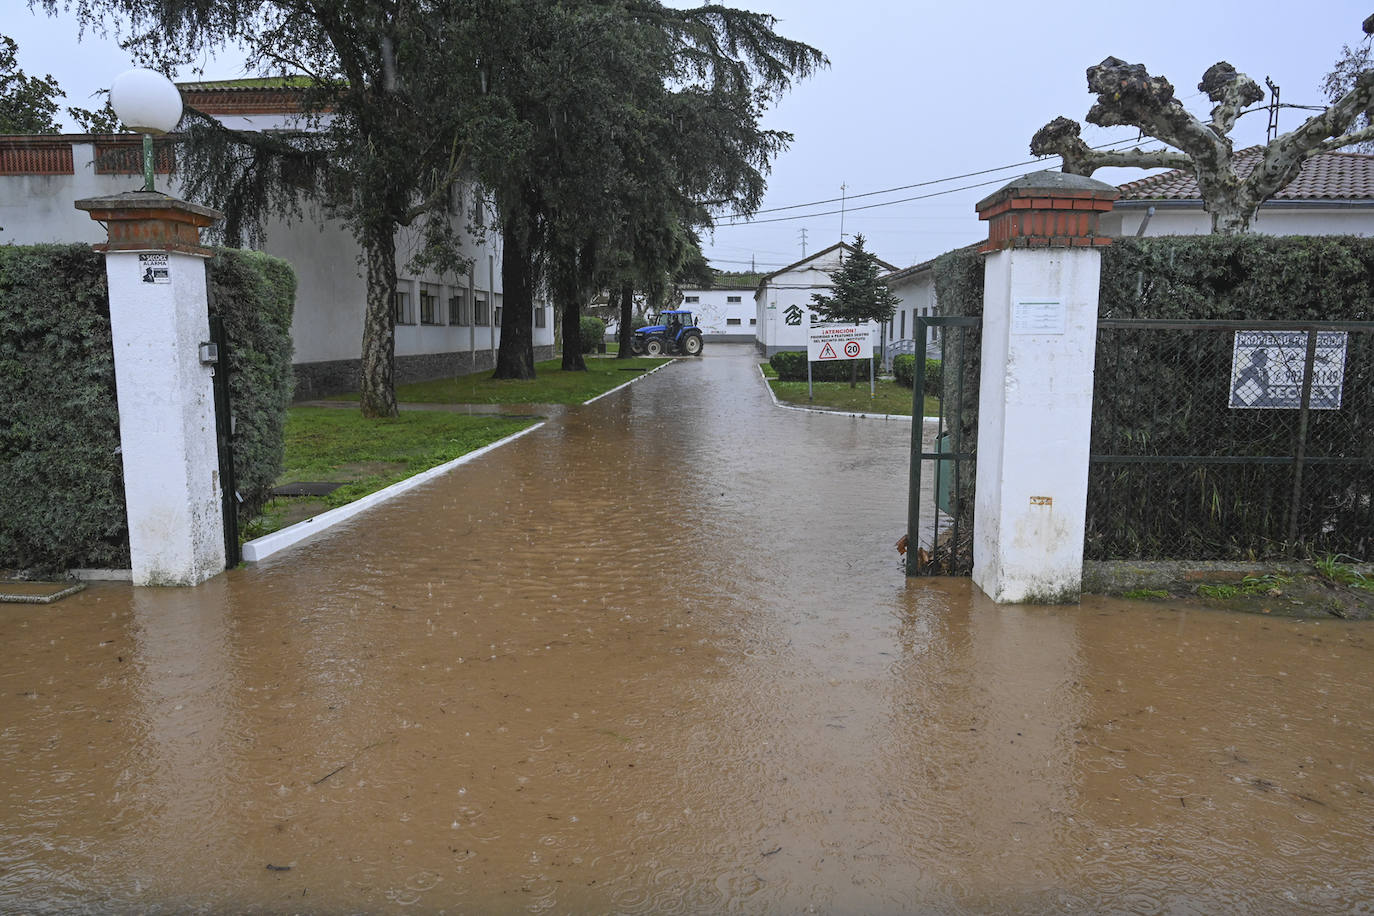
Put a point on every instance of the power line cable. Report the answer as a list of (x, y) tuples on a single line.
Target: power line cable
[(907, 187)]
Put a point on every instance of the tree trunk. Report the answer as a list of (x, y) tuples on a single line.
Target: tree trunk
[(377, 385), (515, 359), (572, 335), (627, 301)]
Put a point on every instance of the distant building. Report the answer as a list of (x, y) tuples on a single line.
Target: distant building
[(724, 310), (782, 299)]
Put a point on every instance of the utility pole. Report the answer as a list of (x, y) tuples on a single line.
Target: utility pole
[(843, 188), (1273, 110), (803, 240)]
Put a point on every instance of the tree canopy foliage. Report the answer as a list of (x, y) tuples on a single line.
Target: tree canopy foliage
[(1127, 94), (858, 293), (28, 104), (604, 133)]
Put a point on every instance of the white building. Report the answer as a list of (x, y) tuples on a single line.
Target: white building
[(782, 301), (444, 325), (724, 310)]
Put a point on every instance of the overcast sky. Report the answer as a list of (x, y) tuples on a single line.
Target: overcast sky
[(916, 92)]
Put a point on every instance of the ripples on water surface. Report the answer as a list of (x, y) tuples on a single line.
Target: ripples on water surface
[(660, 657)]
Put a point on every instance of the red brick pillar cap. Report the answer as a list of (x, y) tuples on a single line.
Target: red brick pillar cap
[(150, 221), (1047, 210)]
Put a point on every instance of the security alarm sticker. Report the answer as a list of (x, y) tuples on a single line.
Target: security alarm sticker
[(154, 268)]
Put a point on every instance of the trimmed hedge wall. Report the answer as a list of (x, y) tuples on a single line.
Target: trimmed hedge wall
[(61, 481), (790, 365), (62, 490), (904, 372), (255, 295)]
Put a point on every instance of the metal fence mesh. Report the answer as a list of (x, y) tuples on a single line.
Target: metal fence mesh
[(1229, 440)]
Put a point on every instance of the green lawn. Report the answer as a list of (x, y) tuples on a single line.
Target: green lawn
[(336, 444), (889, 397), (550, 386)]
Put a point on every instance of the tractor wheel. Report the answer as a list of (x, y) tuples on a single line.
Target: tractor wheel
[(637, 345), (653, 347), (691, 344)]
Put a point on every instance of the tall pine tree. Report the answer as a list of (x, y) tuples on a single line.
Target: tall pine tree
[(858, 295)]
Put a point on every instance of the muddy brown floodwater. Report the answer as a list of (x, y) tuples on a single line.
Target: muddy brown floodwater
[(659, 656)]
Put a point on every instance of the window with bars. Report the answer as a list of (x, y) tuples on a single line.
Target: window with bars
[(458, 309), (400, 308), (479, 311), (540, 317)]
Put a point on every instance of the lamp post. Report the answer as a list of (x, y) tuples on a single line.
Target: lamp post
[(148, 102)]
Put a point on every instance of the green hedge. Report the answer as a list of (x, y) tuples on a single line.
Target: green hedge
[(593, 331), (62, 493), (255, 295), (790, 365), (62, 496)]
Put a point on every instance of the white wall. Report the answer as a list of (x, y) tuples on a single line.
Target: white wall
[(714, 311), (916, 295), (1272, 219)]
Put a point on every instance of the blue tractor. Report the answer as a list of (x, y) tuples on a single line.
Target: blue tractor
[(674, 332)]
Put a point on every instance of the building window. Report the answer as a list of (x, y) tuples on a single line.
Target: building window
[(429, 304), (903, 334), (496, 314), (732, 321), (753, 321), (691, 300), (457, 309), (732, 298), (540, 317), (479, 311), (400, 308)]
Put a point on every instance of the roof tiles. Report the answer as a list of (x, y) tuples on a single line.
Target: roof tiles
[(1325, 176)]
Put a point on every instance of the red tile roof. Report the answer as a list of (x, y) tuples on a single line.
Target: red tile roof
[(1325, 176)]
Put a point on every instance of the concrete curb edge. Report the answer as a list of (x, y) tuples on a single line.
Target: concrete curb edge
[(261, 548)]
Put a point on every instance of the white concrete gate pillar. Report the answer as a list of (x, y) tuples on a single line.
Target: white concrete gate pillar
[(1035, 395), (155, 266)]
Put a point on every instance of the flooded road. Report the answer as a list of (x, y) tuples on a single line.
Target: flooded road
[(659, 656)]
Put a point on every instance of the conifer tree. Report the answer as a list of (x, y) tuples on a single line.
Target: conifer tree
[(858, 295)]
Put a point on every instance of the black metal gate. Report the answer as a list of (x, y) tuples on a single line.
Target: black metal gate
[(940, 516), (224, 440), (1232, 440)]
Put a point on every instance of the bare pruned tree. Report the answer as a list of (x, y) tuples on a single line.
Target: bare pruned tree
[(1128, 95)]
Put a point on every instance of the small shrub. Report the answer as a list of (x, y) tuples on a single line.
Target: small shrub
[(935, 376), (904, 370), (593, 331), (791, 367)]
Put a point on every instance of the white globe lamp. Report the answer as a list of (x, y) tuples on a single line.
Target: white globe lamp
[(148, 102)]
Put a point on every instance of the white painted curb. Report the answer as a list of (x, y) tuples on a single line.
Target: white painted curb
[(833, 413), (269, 544), (627, 384)]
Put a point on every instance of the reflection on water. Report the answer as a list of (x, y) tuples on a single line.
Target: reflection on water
[(659, 656)]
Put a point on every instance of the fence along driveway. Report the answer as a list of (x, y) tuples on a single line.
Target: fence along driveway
[(1232, 439)]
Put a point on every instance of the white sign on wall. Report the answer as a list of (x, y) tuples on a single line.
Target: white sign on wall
[(1267, 370), (1038, 316), (838, 342)]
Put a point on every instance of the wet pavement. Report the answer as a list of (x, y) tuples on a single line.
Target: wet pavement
[(660, 656)]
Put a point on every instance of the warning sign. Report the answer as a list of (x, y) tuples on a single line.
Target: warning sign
[(838, 341)]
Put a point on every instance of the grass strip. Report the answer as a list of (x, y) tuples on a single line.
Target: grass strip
[(889, 397), (328, 444), (550, 386)]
